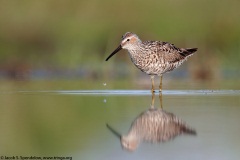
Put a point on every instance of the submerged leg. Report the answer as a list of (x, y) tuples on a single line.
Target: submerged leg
[(152, 79), (160, 99), (153, 100), (160, 85)]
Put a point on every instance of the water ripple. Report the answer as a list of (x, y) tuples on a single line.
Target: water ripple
[(132, 92)]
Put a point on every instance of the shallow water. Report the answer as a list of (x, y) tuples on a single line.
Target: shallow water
[(35, 121)]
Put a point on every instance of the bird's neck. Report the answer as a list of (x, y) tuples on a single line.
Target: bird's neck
[(135, 53)]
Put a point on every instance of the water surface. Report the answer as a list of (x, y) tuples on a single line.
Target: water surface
[(72, 122)]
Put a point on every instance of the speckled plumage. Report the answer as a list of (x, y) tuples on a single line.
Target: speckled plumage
[(156, 58), (153, 57), (154, 125)]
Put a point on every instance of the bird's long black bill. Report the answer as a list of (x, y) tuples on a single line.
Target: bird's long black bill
[(113, 131), (114, 52)]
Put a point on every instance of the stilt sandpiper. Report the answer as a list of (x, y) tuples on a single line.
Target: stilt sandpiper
[(153, 57)]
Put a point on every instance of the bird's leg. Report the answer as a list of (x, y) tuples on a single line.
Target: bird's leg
[(152, 79), (160, 85)]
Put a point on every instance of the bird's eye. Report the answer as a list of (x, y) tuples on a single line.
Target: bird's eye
[(128, 39)]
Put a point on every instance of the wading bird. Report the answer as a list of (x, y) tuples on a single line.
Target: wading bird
[(153, 57)]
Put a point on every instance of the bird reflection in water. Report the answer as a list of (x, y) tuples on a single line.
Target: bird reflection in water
[(153, 125)]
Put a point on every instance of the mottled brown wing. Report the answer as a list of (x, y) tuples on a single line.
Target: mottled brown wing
[(171, 53), (165, 51), (168, 54)]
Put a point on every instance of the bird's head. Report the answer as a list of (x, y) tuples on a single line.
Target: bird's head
[(129, 42)]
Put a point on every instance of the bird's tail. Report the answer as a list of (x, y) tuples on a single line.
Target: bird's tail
[(191, 50), (188, 51)]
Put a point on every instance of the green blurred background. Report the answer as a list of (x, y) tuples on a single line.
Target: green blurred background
[(62, 45), (71, 39)]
